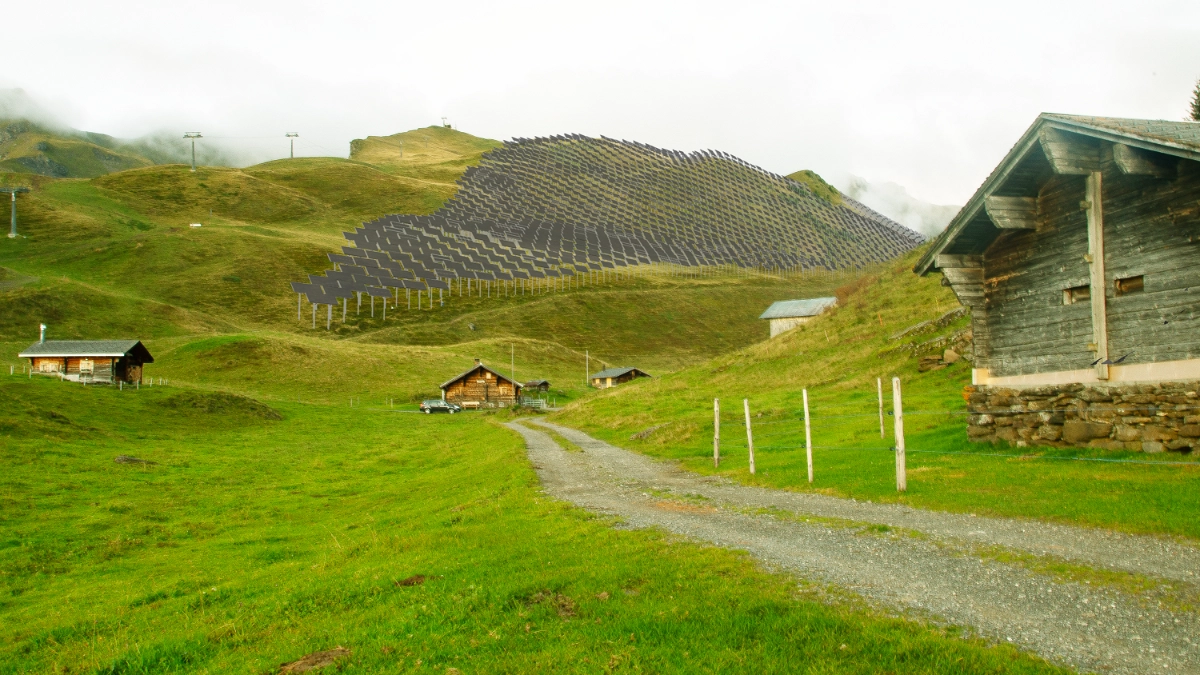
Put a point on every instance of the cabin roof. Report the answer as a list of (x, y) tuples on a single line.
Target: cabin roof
[(536, 383), (84, 348), (474, 368), (1180, 139), (790, 309), (617, 372)]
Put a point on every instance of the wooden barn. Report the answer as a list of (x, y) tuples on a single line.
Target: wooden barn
[(536, 386), (1079, 258), (481, 387), (787, 314), (614, 376), (100, 361)]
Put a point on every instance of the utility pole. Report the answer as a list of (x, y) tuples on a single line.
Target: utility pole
[(193, 135), (292, 136), (12, 234)]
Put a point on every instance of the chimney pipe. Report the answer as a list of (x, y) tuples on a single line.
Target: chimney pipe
[(42, 336), (478, 362)]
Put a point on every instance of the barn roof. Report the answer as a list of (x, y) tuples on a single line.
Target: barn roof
[(478, 366), (73, 348), (789, 309), (968, 234), (617, 372)]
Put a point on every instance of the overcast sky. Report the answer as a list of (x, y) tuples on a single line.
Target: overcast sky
[(929, 95)]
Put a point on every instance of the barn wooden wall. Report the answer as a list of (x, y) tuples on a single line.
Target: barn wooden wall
[(1151, 228)]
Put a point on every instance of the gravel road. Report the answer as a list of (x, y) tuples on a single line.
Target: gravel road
[(1089, 627)]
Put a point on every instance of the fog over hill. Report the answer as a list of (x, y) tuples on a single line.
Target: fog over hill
[(895, 202)]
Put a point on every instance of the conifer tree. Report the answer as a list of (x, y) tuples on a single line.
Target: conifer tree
[(1195, 112)]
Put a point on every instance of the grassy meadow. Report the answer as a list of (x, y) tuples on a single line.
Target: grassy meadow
[(838, 358), (261, 534)]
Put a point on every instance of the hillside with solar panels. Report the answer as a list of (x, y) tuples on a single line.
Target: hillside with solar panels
[(551, 213)]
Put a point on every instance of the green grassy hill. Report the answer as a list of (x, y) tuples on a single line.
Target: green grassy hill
[(30, 148), (115, 256)]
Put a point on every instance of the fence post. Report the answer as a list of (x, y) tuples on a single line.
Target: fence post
[(749, 436), (716, 433), (898, 413), (879, 386), (808, 437)]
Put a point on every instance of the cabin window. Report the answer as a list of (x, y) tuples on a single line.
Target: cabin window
[(1129, 285), (86, 366), (1076, 294)]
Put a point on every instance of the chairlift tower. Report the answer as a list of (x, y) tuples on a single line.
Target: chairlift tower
[(193, 135), (12, 234), (292, 136)]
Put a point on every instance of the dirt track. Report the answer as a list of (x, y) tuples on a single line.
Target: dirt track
[(1088, 627)]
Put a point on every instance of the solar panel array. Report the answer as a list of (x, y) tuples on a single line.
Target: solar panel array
[(567, 205)]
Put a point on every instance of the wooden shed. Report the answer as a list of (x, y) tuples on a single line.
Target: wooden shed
[(1079, 258), (787, 314), (481, 387), (614, 376), (100, 361), (536, 386)]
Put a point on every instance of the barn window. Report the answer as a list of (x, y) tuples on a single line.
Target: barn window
[(1076, 294), (1129, 285)]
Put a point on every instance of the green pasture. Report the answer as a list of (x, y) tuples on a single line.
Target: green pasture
[(839, 358), (262, 534)]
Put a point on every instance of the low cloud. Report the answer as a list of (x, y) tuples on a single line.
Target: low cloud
[(895, 202)]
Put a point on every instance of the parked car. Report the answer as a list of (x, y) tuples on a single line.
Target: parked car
[(435, 405)]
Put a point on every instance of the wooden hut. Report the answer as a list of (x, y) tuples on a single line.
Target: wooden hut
[(787, 314), (100, 361), (614, 376), (540, 386), (1077, 258), (481, 387)]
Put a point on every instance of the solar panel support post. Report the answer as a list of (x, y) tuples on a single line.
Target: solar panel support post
[(408, 296), (345, 301), (385, 310), (358, 307), (299, 305), (314, 306), (328, 316), (372, 307), (441, 302)]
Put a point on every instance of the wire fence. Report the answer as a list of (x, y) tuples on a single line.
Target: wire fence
[(786, 431)]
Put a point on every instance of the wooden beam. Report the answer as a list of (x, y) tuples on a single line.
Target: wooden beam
[(1095, 228), (945, 260), (1067, 155), (967, 284), (1137, 162), (1012, 213)]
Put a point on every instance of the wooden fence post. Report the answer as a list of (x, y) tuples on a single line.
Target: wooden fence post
[(716, 433), (749, 436), (898, 413), (879, 386), (808, 437)]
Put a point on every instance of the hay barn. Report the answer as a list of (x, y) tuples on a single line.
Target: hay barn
[(614, 376), (787, 314), (1079, 260), (481, 387), (99, 361)]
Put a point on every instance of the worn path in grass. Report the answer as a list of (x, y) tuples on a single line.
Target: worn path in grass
[(923, 561)]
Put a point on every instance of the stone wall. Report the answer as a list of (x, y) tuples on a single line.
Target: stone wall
[(1150, 418)]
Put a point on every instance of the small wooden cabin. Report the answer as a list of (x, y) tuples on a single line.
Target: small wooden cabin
[(1079, 258), (541, 386), (100, 361), (481, 387), (614, 376), (787, 314)]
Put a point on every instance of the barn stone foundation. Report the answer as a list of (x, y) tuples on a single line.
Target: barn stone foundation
[(1149, 418)]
